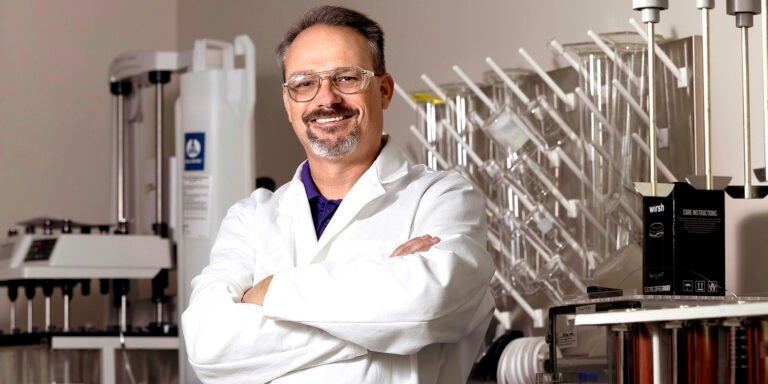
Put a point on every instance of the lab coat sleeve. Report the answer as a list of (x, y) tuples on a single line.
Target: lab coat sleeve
[(228, 341), (401, 304)]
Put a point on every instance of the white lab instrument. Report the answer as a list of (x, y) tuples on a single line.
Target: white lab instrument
[(213, 168)]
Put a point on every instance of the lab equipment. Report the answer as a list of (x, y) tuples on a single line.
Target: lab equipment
[(565, 148), (743, 12), (133, 258)]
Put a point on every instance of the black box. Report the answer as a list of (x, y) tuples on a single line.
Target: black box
[(684, 242)]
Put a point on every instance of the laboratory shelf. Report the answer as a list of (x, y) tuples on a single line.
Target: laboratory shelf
[(674, 308)]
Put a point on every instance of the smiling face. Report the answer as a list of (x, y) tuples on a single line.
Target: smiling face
[(335, 126)]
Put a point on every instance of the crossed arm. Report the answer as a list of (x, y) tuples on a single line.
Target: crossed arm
[(255, 294)]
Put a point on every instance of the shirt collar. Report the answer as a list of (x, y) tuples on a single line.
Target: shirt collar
[(309, 185)]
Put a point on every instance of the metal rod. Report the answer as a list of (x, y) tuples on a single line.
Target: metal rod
[(632, 103), (120, 163), (652, 106), (674, 358), (572, 61), (508, 81), (662, 167), (440, 160), (681, 79), (656, 347), (47, 313), (707, 100), (159, 152), (13, 316), (745, 116), (547, 79), (612, 56), (764, 19), (475, 89), (29, 316), (123, 315), (407, 98), (159, 312), (559, 120), (535, 314), (66, 313)]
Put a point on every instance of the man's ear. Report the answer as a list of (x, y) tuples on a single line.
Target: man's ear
[(387, 89)]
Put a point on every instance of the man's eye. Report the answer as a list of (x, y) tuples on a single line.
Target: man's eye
[(304, 84), (347, 79)]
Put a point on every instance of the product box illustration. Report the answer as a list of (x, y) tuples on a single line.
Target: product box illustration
[(684, 242)]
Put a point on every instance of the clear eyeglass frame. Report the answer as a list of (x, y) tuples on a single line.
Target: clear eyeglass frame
[(304, 87)]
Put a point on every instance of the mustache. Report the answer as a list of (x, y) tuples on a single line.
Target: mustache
[(328, 112)]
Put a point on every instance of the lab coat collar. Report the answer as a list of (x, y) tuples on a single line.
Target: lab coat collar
[(389, 166), (391, 163)]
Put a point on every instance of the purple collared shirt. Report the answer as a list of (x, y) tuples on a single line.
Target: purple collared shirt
[(322, 208)]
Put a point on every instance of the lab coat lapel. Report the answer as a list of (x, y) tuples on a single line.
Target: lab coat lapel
[(294, 203), (389, 166)]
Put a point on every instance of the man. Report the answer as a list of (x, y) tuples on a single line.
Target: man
[(363, 268)]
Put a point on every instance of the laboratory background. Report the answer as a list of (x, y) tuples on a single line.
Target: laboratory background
[(544, 104)]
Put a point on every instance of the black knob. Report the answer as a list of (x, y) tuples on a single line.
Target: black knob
[(121, 88), (29, 229), (160, 229), (66, 226), (85, 229), (48, 227), (159, 77), (120, 287), (13, 232), (29, 290), (47, 288), (103, 286), (85, 287), (13, 292), (67, 287), (159, 284)]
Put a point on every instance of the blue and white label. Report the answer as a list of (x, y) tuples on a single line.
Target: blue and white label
[(194, 151)]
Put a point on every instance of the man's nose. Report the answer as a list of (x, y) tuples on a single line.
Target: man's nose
[(327, 94)]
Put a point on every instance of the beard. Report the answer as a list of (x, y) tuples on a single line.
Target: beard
[(335, 146)]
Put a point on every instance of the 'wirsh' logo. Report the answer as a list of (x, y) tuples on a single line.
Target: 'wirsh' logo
[(656, 208)]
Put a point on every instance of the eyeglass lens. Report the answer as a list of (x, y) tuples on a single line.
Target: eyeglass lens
[(345, 80)]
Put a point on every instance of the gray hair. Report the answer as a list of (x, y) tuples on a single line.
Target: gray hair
[(338, 17)]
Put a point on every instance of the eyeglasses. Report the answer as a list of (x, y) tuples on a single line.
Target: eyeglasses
[(347, 80)]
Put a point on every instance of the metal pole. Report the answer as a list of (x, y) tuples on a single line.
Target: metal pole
[(123, 314), (764, 18), (707, 100), (159, 152), (120, 163), (66, 313), (120, 89), (745, 113), (652, 105)]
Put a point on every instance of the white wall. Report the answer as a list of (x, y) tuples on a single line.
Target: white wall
[(429, 36), (55, 106)]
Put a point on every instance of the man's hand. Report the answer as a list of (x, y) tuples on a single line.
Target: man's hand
[(417, 244), (255, 294)]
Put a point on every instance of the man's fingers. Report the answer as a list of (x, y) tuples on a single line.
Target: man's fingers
[(417, 244)]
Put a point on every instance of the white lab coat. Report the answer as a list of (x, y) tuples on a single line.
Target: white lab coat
[(339, 309)]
